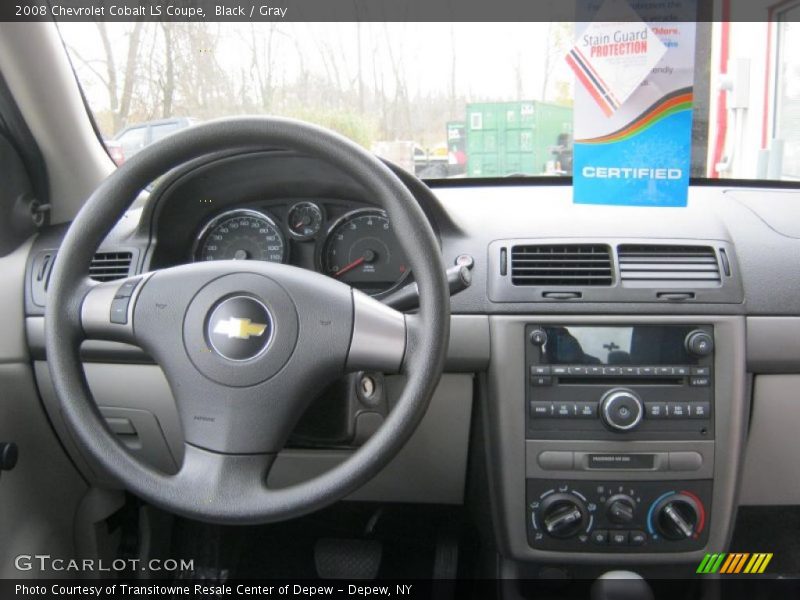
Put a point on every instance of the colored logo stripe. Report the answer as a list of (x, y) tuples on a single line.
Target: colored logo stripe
[(587, 64), (758, 563), (591, 84), (734, 563), (711, 563), (668, 106)]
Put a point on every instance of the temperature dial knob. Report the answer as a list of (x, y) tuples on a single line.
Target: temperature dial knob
[(563, 515), (677, 517), (622, 409)]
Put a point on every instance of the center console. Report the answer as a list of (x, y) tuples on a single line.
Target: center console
[(623, 424)]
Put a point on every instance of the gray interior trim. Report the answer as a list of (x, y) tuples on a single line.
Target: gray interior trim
[(771, 470), (34, 63), (40, 496), (773, 344), (533, 470), (430, 468), (468, 349), (506, 381), (13, 347)]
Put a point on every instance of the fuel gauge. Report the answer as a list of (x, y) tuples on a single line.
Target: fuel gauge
[(304, 220)]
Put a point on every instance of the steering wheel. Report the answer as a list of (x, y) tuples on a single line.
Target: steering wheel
[(245, 345)]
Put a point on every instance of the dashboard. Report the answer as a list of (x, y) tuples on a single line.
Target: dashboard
[(615, 404)]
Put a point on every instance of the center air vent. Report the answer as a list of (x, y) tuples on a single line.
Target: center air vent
[(109, 266), (668, 266), (563, 264)]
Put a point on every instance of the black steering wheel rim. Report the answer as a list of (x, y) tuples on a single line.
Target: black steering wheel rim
[(235, 497)]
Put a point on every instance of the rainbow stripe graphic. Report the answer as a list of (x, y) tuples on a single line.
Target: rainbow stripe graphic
[(592, 81), (678, 101), (734, 563)]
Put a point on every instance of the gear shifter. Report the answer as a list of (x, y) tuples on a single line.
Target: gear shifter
[(621, 585)]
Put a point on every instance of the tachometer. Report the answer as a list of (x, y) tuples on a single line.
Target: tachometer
[(241, 234), (362, 250)]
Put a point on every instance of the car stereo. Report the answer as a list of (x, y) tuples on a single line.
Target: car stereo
[(592, 390), (637, 382)]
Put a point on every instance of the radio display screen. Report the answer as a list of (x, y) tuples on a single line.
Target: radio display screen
[(617, 345)]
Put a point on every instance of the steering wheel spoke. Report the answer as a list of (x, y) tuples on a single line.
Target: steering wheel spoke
[(378, 341), (220, 476), (106, 312)]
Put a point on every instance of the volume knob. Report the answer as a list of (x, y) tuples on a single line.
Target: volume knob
[(621, 409)]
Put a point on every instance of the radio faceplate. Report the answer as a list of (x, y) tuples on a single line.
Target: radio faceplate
[(636, 382)]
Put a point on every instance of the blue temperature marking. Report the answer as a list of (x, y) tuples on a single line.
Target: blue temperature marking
[(650, 512)]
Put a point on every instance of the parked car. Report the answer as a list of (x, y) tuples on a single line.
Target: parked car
[(135, 137)]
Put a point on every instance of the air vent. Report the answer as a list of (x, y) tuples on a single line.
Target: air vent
[(664, 265), (109, 266), (563, 264)]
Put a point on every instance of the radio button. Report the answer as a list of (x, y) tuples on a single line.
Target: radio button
[(552, 460), (586, 410), (637, 538), (563, 409), (559, 370), (685, 461), (655, 410), (678, 410), (541, 410), (665, 371), (705, 371), (682, 371), (577, 370), (699, 410), (539, 370), (699, 381), (541, 380), (600, 537), (611, 370), (618, 538), (595, 370), (647, 371), (630, 371)]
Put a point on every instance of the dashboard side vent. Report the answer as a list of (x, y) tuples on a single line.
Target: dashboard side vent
[(110, 266), (654, 265), (562, 264)]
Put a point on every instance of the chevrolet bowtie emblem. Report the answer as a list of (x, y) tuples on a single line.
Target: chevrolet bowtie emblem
[(241, 329)]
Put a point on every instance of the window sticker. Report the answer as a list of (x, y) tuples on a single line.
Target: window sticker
[(633, 105)]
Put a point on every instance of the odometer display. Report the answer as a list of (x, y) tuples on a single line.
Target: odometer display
[(362, 250), (241, 235)]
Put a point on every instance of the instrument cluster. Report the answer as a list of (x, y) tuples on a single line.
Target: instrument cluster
[(354, 245)]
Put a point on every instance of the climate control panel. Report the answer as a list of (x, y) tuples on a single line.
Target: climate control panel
[(607, 516)]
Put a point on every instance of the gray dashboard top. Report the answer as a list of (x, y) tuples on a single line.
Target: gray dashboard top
[(760, 224)]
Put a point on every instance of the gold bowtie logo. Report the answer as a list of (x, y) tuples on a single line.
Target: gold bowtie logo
[(241, 329)]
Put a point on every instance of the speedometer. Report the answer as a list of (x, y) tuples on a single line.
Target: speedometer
[(362, 250), (241, 234)]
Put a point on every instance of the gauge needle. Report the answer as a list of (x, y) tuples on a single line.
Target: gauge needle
[(349, 267)]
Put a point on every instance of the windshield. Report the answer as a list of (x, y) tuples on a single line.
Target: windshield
[(441, 100)]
